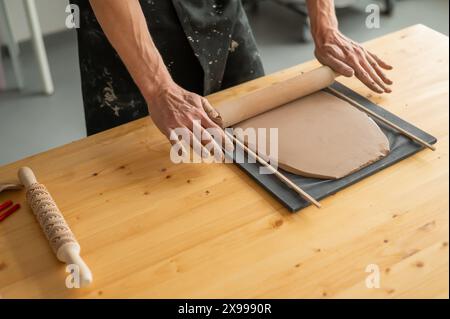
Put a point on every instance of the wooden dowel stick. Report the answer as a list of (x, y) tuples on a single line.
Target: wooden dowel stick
[(283, 178), (381, 119)]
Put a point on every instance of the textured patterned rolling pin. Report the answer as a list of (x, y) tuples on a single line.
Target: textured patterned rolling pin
[(52, 222)]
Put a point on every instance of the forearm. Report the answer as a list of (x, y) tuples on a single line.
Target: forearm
[(170, 106), (126, 29), (322, 17)]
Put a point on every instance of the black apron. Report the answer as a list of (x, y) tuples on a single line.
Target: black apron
[(207, 45)]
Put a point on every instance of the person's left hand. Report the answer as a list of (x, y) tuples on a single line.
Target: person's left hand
[(349, 58)]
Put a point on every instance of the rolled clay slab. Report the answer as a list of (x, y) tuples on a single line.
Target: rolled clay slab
[(234, 110), (320, 136)]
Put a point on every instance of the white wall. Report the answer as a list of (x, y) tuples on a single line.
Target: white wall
[(51, 14)]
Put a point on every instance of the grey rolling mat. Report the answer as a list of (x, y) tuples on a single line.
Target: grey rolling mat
[(401, 148)]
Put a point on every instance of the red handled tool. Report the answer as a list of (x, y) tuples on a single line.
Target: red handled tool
[(10, 211)]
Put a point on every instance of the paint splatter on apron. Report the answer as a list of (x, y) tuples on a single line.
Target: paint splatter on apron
[(207, 45)]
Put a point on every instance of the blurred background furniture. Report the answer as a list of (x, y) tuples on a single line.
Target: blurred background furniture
[(299, 6), (12, 49), (37, 41), (2, 73)]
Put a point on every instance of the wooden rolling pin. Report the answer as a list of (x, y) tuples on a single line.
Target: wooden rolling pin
[(233, 111), (52, 222)]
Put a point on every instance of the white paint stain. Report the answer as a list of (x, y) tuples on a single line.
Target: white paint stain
[(233, 46)]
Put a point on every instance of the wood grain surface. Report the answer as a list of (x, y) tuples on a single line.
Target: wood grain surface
[(150, 228)]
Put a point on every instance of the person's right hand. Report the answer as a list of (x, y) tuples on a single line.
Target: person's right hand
[(173, 107), (349, 58)]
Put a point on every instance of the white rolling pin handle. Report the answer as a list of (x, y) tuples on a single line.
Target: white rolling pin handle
[(27, 177), (70, 254)]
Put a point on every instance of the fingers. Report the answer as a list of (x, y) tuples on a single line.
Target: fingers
[(178, 143), (200, 140), (210, 111), (380, 62), (213, 146), (203, 134), (208, 122), (378, 70), (368, 71), (364, 77), (374, 75), (339, 66)]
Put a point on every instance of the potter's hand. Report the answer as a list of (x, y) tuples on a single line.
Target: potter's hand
[(173, 107), (349, 58)]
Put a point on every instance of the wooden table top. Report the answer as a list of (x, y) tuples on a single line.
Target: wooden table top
[(150, 228)]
